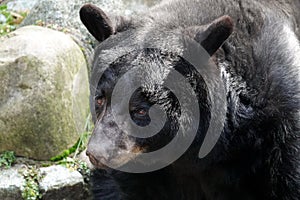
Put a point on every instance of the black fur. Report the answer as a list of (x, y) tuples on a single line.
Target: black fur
[(258, 154)]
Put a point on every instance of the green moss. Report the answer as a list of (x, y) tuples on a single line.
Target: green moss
[(7, 158), (77, 147)]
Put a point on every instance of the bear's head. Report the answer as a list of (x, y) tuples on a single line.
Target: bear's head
[(137, 91)]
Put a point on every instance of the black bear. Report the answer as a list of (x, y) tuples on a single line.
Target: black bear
[(255, 50)]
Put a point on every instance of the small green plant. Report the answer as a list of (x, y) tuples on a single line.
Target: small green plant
[(75, 164), (79, 145), (12, 20), (7, 158), (31, 189)]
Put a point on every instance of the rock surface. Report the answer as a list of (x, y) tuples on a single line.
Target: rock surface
[(61, 183), (58, 182), (64, 15), (20, 5), (11, 184), (43, 93)]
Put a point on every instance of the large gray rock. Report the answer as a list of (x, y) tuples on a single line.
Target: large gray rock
[(43, 93)]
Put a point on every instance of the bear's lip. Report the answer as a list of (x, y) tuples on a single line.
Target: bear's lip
[(97, 163)]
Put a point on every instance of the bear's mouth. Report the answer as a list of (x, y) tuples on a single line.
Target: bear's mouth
[(96, 163), (121, 158)]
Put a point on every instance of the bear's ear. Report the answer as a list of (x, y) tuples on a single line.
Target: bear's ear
[(96, 21), (212, 36)]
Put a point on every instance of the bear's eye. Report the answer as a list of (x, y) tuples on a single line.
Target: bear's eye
[(100, 101), (141, 112)]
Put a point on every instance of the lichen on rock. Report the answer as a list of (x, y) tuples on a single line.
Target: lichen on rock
[(43, 93)]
